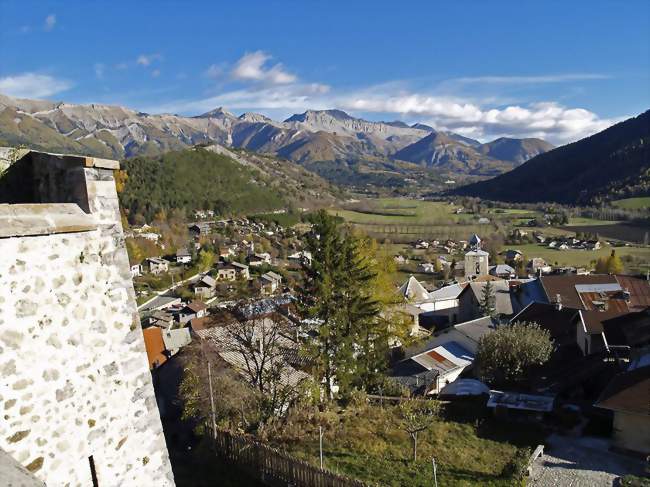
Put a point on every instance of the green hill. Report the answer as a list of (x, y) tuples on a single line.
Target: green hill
[(196, 179)]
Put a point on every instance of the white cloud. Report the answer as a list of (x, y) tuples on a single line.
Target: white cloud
[(512, 80), (215, 70), (155, 73), (50, 22), (146, 59), (99, 70), (251, 67), (32, 85), (274, 89)]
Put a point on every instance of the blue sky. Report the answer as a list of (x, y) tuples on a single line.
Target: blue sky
[(555, 69)]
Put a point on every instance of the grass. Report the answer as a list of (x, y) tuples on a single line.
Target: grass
[(633, 203), (579, 258), (580, 221), (367, 444)]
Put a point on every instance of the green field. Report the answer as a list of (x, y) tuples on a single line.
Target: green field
[(633, 203), (401, 221), (579, 258), (366, 443)]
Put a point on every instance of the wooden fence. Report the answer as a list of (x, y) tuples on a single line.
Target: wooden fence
[(273, 467)]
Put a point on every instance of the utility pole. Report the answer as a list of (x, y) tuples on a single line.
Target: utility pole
[(214, 424), (435, 477)]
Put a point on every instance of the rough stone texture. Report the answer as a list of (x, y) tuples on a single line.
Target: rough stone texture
[(66, 317)]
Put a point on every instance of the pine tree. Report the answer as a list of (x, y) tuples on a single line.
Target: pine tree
[(487, 304)]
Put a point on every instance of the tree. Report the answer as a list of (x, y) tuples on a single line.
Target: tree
[(507, 354), (236, 404), (614, 264), (415, 416), (261, 347), (340, 295), (487, 304), (206, 259), (609, 265)]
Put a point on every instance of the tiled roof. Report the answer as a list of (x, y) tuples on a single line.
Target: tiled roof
[(413, 290), (155, 346), (565, 286), (559, 323), (197, 306), (628, 392), (631, 329)]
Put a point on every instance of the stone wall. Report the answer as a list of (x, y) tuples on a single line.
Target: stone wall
[(74, 377)]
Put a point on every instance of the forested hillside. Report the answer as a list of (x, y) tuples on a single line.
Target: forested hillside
[(195, 179), (611, 164)]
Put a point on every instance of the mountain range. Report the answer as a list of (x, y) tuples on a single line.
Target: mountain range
[(323, 141), (611, 164)]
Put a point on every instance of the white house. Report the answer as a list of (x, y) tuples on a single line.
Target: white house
[(157, 265), (183, 256)]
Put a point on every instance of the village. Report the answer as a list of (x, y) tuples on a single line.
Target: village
[(241, 301)]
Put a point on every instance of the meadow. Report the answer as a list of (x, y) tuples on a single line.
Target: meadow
[(399, 221), (633, 203)]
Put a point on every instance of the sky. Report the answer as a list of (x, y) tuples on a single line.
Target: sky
[(555, 69)]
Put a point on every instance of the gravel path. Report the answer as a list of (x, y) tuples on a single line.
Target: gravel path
[(580, 462)]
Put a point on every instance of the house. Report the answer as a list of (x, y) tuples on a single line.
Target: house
[(226, 252), (195, 309), (503, 271), (226, 272), (592, 245), (183, 256), (553, 244), (176, 338), (199, 229), (136, 270), (466, 334), (256, 260), (628, 330), (538, 266), (558, 320), (154, 237), (270, 282), (161, 319), (426, 268), (228, 349), (421, 244), (157, 265), (155, 346), (413, 291), (540, 238), (483, 221), (241, 271), (400, 259), (563, 246), (205, 287), (512, 255), (304, 257), (598, 298), (628, 397), (505, 303), (429, 371)]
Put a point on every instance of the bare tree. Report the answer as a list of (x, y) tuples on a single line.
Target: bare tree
[(260, 347), (415, 416)]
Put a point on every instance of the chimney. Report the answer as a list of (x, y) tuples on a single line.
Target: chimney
[(558, 302)]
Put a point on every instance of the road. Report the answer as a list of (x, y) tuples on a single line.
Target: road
[(157, 301)]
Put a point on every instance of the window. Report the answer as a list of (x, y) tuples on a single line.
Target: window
[(93, 471)]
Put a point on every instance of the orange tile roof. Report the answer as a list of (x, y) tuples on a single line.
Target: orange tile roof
[(153, 342)]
